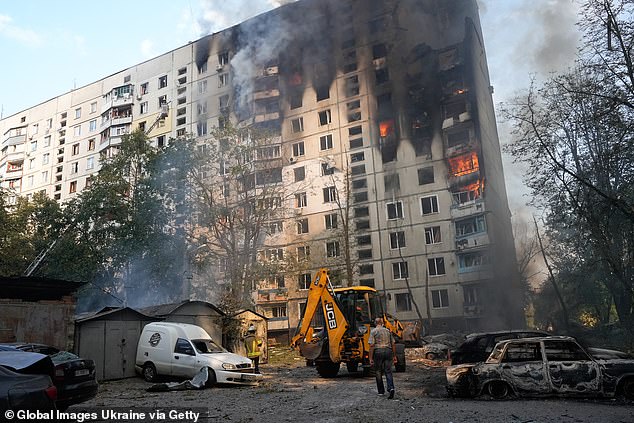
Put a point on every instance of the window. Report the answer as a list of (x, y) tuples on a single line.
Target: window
[(47, 141), (395, 210), (75, 150), (426, 175), (330, 194), (29, 181), (275, 227), (77, 130), (273, 254), (201, 128), (332, 249), (364, 240), (90, 163), (331, 221), (303, 253), (31, 163), (356, 143), (77, 113), (93, 107), (397, 240), (357, 157), (473, 261), (223, 58), (325, 117), (74, 167), (366, 269), (298, 149), (352, 85), (403, 302), (381, 76), (302, 226), (400, 270), (357, 170), (297, 125), (432, 235), (300, 173), (33, 145), (360, 197), (91, 144), (564, 351), (162, 100), (436, 266), (73, 187), (429, 205), (325, 142), (49, 122), (45, 176), (359, 183), (365, 254), (45, 158), (519, 352), (162, 82), (295, 100), (362, 224), (143, 107), (183, 347), (303, 281), (470, 226), (92, 125), (300, 200), (202, 67), (223, 80), (439, 298), (322, 92), (471, 294), (202, 86), (361, 211), (391, 182), (327, 169)]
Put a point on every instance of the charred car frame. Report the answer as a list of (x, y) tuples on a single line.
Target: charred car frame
[(543, 366)]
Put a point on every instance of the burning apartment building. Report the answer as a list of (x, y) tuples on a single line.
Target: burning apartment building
[(384, 104)]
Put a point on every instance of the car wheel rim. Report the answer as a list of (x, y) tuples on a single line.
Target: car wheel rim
[(498, 390)]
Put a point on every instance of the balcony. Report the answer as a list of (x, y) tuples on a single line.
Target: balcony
[(121, 120), (14, 140), (467, 209), (472, 241), (482, 274), (272, 295), (263, 117), (472, 310), (266, 94), (277, 323)]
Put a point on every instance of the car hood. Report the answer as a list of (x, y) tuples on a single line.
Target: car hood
[(453, 373), (227, 357)]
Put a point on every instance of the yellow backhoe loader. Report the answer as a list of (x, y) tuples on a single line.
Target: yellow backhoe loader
[(338, 331)]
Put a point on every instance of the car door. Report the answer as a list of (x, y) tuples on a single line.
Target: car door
[(571, 369), (523, 367), (184, 362)]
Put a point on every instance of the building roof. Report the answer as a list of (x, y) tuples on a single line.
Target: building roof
[(239, 312), (109, 312), (27, 288), (164, 310)]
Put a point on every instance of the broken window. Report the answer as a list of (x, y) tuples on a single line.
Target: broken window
[(471, 294), (357, 157), (394, 210), (454, 110), (432, 235), (162, 82), (331, 221), (381, 76), (298, 148), (436, 266), (356, 143), (400, 270), (397, 240), (426, 175), (463, 164), (297, 125), (440, 298), (470, 226), (302, 226), (354, 116), (353, 105), (332, 249), (330, 194), (327, 169), (295, 99), (269, 176), (458, 138), (223, 80), (378, 51), (300, 173), (303, 253), (275, 227), (325, 117), (391, 182), (223, 58), (429, 204), (403, 302), (473, 261), (352, 85), (364, 240), (384, 104), (322, 92), (300, 200)]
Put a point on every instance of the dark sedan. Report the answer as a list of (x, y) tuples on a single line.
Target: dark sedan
[(544, 366), (25, 392), (74, 377)]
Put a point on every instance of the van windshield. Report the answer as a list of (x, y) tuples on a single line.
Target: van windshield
[(207, 346)]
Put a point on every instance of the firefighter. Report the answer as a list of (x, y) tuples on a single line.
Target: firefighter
[(253, 345)]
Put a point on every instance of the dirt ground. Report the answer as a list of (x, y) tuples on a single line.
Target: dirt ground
[(293, 392)]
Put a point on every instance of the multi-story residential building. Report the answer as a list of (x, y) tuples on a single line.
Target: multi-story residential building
[(393, 96)]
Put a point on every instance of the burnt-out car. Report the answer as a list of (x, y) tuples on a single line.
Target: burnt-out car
[(544, 366), (478, 346), (74, 377)]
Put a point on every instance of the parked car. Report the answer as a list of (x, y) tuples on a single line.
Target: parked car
[(26, 391), (74, 377), (182, 350), (478, 346), (544, 366)]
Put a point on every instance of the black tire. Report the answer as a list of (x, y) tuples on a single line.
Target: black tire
[(149, 373), (352, 366), (430, 356), (211, 378), (327, 369), (626, 388), (400, 365), (498, 390)]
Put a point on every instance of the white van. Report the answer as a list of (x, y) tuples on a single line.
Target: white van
[(182, 350)]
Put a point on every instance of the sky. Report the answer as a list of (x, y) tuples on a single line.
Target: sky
[(48, 47)]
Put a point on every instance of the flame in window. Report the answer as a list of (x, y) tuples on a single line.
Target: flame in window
[(386, 128), (464, 164)]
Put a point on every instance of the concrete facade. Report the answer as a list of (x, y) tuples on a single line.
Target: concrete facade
[(392, 97)]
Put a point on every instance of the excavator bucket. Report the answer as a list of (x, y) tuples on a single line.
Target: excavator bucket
[(311, 350)]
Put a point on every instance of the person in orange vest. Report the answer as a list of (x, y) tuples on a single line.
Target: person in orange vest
[(253, 345)]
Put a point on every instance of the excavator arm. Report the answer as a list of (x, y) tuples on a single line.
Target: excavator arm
[(321, 292)]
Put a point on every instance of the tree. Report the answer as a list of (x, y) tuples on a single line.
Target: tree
[(240, 202), (576, 134)]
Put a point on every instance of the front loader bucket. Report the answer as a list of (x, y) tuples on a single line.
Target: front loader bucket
[(311, 350)]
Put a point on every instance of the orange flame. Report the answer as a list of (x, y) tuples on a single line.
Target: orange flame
[(464, 164), (386, 128)]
